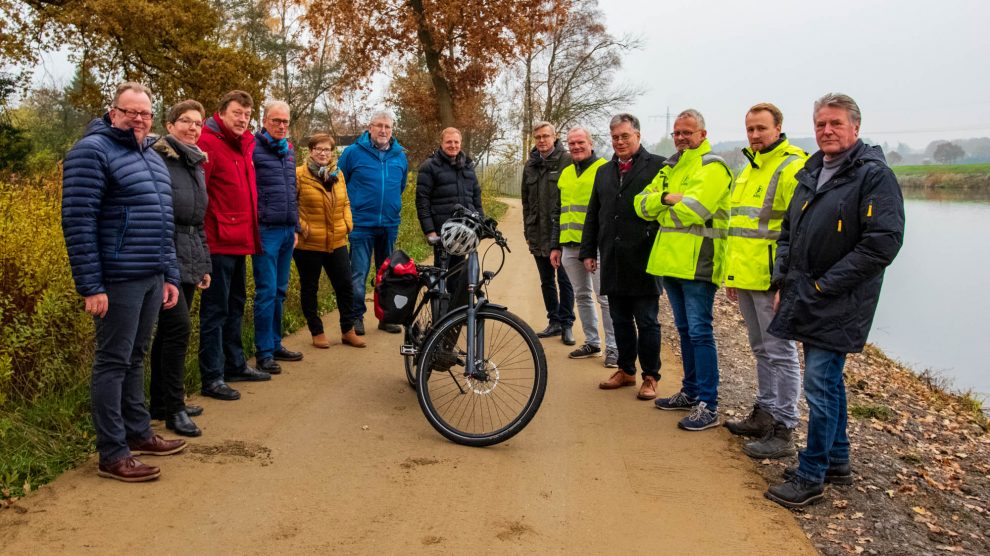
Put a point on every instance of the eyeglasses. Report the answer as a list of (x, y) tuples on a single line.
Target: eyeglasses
[(543, 136), (135, 114), (323, 150), (188, 122), (677, 134), (279, 121)]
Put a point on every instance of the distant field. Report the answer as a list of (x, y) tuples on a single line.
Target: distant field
[(941, 169)]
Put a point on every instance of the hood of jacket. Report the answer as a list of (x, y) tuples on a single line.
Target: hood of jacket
[(173, 149)]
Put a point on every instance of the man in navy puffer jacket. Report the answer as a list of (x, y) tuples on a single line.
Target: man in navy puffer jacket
[(278, 218), (117, 222)]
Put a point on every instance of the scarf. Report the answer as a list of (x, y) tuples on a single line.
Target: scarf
[(326, 174), (281, 146)]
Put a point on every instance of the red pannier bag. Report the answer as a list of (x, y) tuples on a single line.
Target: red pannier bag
[(396, 285)]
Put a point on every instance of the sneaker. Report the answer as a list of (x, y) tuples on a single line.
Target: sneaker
[(795, 493), (585, 351), (699, 419), (678, 402), (156, 446), (129, 470), (611, 359), (757, 424), (777, 443), (838, 474)]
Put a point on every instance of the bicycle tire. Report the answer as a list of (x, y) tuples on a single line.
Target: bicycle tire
[(416, 333), (482, 413)]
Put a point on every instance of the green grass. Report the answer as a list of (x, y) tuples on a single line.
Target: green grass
[(52, 432), (926, 169)]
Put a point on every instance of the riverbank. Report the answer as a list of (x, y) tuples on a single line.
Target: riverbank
[(951, 177), (921, 456)]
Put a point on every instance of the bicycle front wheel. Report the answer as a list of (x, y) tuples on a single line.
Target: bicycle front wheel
[(503, 394), (416, 333)]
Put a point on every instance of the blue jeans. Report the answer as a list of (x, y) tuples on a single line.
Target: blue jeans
[(117, 388), (271, 280), (560, 306), (825, 390), (691, 302), (637, 332), (365, 242), (221, 311)]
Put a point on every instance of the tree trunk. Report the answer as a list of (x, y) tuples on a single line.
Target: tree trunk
[(445, 100)]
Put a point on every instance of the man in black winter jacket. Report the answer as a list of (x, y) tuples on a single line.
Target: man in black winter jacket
[(447, 179), (844, 225), (541, 226)]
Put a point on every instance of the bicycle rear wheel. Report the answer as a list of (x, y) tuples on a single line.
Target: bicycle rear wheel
[(498, 403), (416, 333)]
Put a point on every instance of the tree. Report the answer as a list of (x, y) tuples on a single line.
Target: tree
[(462, 43), (894, 158), (569, 68), (948, 153), (14, 145)]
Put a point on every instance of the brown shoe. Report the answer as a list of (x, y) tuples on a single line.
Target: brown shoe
[(156, 446), (618, 380), (129, 470), (320, 340), (648, 390), (352, 339)]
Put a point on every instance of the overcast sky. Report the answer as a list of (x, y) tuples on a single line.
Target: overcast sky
[(920, 70)]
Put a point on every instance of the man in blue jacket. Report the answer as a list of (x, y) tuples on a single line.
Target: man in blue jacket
[(278, 220), (118, 227), (844, 225), (375, 171)]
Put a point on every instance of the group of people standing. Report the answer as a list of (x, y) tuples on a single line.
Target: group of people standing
[(799, 242), (148, 221)]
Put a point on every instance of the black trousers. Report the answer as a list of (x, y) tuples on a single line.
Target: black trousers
[(168, 355), (560, 309), (337, 265), (637, 332)]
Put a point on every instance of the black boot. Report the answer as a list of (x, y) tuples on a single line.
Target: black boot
[(795, 493), (756, 425), (182, 424), (552, 329), (838, 474), (778, 443)]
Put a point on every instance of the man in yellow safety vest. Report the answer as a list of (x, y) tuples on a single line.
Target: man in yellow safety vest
[(759, 201), (575, 184), (690, 199)]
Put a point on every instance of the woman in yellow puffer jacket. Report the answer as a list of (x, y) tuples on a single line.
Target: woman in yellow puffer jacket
[(325, 220)]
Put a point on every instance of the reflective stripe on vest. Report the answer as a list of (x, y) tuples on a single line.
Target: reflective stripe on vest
[(750, 233), (575, 191), (765, 213), (700, 231), (579, 226), (573, 208)]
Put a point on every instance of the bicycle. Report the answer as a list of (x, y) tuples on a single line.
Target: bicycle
[(480, 370)]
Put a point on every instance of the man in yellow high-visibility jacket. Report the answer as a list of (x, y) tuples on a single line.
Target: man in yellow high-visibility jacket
[(690, 199), (759, 201)]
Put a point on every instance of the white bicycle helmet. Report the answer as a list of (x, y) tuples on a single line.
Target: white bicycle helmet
[(459, 236)]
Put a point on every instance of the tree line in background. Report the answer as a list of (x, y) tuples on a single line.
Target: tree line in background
[(489, 67)]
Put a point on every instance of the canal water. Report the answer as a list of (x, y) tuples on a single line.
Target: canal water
[(934, 311)]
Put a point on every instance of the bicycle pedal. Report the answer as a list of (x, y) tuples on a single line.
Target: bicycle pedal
[(407, 349)]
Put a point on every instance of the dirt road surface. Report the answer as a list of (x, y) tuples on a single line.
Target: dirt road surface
[(334, 456)]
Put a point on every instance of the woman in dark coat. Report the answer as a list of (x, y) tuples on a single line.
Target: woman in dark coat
[(168, 351)]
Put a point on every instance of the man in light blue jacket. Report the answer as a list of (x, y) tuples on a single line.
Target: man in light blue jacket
[(375, 171)]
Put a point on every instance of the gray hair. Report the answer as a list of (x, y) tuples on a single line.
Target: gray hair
[(275, 105), (839, 100), (581, 129), (382, 115), (130, 86), (542, 124), (692, 113), (618, 119)]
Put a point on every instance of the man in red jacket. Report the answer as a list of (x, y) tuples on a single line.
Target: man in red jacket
[(232, 233)]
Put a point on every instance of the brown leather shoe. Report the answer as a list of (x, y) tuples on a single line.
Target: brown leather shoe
[(321, 341), (129, 470), (156, 446), (648, 390), (352, 339), (618, 380)]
